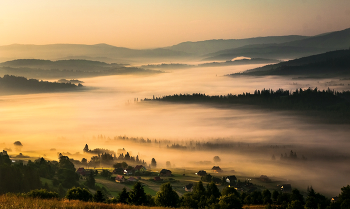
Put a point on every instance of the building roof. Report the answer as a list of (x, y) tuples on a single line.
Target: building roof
[(216, 168), (232, 178), (119, 177), (132, 179), (80, 169)]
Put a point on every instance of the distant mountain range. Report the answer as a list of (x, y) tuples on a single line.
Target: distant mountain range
[(211, 46), (271, 47), (329, 64), (289, 50)]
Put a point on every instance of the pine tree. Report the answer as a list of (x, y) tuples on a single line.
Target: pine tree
[(137, 195)]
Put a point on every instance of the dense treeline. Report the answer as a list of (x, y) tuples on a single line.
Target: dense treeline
[(329, 64), (14, 83), (17, 177), (66, 68), (331, 105)]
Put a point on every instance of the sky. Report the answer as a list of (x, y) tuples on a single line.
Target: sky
[(143, 24)]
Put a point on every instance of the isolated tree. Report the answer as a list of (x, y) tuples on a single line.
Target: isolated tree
[(213, 194), (168, 164), (17, 143), (275, 195), (154, 163), (216, 159), (61, 191), (98, 197), (90, 180), (137, 195), (84, 161), (230, 201), (266, 195), (296, 204), (166, 196), (123, 197)]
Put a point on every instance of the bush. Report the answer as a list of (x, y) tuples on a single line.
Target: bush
[(42, 194), (78, 193)]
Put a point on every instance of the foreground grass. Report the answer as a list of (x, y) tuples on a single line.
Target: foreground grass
[(12, 201)]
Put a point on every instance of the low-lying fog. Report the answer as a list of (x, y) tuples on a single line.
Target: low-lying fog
[(67, 121)]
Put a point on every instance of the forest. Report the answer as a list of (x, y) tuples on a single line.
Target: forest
[(17, 84), (331, 106)]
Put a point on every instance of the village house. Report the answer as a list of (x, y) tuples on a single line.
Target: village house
[(140, 168), (286, 188), (81, 171), (131, 179), (189, 188), (231, 179), (119, 178), (129, 171), (264, 178), (165, 172), (216, 169)]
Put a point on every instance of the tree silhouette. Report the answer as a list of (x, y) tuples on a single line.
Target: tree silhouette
[(137, 195), (166, 196)]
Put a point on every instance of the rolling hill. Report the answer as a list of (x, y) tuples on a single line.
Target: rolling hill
[(329, 64), (289, 50)]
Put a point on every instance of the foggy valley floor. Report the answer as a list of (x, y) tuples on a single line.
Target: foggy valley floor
[(67, 121)]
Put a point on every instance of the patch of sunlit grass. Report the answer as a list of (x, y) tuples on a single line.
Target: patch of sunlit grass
[(12, 201)]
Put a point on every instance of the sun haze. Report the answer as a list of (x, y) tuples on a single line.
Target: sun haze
[(150, 24)]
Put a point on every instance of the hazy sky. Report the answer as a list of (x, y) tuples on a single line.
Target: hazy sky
[(155, 23)]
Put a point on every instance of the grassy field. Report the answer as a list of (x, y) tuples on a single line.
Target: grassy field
[(13, 202), (178, 181)]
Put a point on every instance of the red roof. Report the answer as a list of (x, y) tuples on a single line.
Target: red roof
[(119, 177)]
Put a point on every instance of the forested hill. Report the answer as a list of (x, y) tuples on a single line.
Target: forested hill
[(329, 64), (10, 84), (72, 64), (289, 50), (47, 69), (331, 106)]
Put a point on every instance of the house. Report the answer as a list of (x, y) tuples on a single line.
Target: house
[(81, 171), (140, 168), (165, 172), (4, 152), (131, 179), (128, 171), (216, 169), (334, 199), (157, 178), (119, 178), (286, 188), (231, 179), (264, 178), (201, 173), (189, 188)]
